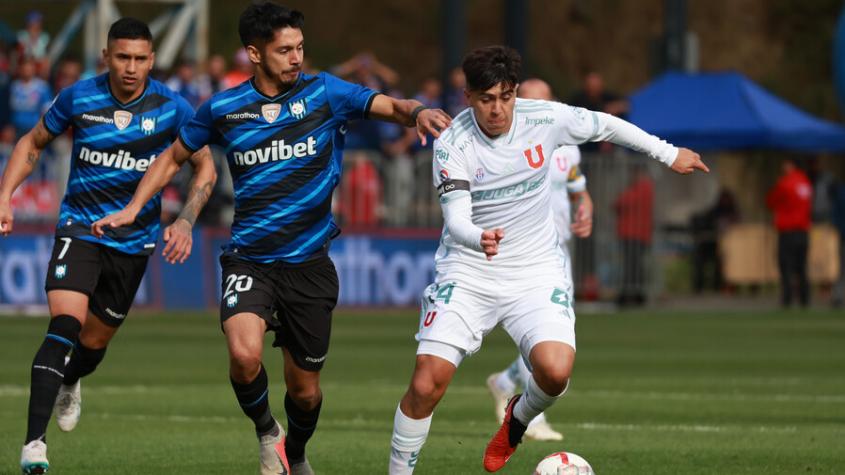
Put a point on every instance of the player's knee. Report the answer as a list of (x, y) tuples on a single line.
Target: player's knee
[(553, 380), (426, 390), (244, 364), (306, 397)]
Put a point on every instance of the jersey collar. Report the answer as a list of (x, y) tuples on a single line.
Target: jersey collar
[(501, 139), (276, 98)]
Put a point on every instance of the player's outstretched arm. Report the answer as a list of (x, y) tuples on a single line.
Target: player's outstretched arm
[(24, 157), (606, 127), (178, 235), (157, 177), (410, 113)]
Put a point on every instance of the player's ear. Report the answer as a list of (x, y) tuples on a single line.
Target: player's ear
[(466, 94), (254, 54), (152, 60), (106, 55)]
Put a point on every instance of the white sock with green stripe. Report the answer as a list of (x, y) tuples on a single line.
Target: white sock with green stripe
[(408, 438)]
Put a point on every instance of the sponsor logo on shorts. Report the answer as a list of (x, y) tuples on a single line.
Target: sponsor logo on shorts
[(315, 360), (114, 314), (61, 271), (232, 300)]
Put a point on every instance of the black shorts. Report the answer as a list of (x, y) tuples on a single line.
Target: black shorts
[(108, 277), (296, 301)]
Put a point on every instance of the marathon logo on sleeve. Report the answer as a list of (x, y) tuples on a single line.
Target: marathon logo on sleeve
[(278, 150), (122, 160)]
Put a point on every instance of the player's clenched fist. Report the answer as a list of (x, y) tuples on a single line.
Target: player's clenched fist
[(687, 161), (490, 242)]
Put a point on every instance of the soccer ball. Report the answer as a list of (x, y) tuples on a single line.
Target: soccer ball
[(563, 463)]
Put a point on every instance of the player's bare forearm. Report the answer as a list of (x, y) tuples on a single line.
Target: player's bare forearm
[(24, 157), (410, 113), (158, 175), (205, 176)]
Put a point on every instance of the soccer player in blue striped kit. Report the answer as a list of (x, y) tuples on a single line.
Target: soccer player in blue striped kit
[(283, 133), (120, 120)]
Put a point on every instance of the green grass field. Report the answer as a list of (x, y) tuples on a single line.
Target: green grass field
[(693, 393)]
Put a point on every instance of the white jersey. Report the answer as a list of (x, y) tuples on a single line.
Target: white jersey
[(509, 183), (566, 178)]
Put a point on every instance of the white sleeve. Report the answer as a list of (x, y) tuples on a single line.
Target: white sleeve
[(581, 125), (457, 216)]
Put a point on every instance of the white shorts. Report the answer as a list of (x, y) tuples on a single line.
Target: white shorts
[(457, 313)]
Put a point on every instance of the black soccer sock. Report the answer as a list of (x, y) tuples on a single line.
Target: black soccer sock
[(83, 361), (301, 426), (255, 402), (47, 373)]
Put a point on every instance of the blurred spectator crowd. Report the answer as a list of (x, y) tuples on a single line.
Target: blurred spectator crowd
[(387, 172)]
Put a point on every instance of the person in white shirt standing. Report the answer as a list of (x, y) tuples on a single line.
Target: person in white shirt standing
[(499, 261), (568, 185)]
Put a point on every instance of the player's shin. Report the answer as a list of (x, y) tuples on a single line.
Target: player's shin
[(48, 368), (408, 438), (83, 361), (533, 402), (301, 426), (255, 402)]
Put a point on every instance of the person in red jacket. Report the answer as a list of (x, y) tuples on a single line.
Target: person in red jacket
[(634, 212), (791, 201)]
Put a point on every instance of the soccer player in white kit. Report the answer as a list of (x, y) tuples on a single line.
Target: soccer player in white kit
[(499, 261), (568, 184)]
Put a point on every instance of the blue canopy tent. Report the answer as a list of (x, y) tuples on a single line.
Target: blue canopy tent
[(727, 111)]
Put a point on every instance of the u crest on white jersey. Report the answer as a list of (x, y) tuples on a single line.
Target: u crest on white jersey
[(122, 119)]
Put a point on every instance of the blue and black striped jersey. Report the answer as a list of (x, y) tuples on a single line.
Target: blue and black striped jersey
[(113, 145), (285, 156)]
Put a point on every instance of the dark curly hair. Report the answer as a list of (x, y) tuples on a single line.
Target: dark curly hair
[(260, 21), (491, 65)]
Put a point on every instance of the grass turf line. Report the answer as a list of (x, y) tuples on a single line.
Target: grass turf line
[(692, 393)]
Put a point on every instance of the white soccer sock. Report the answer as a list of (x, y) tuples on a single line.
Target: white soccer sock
[(533, 402), (523, 373), (537, 420), (408, 438), (508, 379), (523, 376)]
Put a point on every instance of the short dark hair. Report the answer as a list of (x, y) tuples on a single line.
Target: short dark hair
[(130, 29), (491, 65), (261, 20)]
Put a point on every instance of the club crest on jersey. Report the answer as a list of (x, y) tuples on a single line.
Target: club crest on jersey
[(479, 175), (232, 300), (530, 157), (61, 271), (271, 112), (297, 108), (148, 125), (122, 119)]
